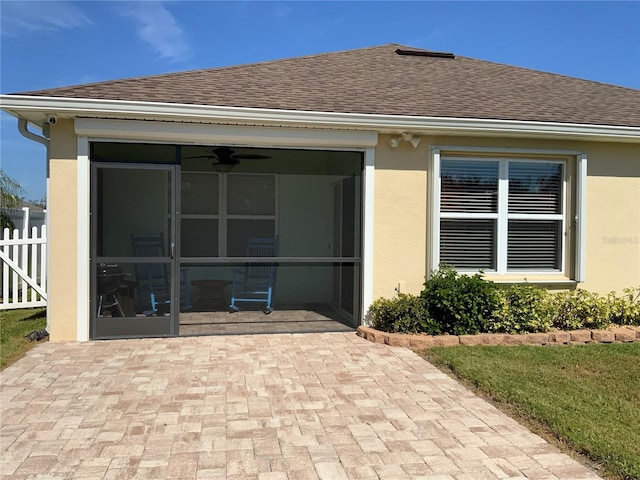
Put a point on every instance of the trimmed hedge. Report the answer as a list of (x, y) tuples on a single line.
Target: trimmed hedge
[(578, 309), (403, 314), (625, 310), (460, 304), (456, 304), (522, 308)]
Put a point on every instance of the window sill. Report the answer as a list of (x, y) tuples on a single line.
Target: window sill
[(555, 281)]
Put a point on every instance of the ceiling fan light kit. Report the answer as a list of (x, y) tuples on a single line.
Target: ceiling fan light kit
[(222, 167)]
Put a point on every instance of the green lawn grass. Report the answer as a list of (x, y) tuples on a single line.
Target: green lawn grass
[(14, 325), (586, 395)]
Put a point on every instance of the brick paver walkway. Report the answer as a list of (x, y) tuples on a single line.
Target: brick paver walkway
[(328, 406)]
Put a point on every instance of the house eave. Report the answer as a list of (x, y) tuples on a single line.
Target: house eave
[(37, 109)]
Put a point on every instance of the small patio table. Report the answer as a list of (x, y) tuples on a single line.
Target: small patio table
[(211, 292)]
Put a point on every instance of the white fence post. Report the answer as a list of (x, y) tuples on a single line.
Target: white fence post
[(25, 252), (23, 260)]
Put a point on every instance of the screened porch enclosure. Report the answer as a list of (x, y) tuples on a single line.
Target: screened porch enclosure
[(200, 218)]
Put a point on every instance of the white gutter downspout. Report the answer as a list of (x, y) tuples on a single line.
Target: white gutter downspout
[(24, 131)]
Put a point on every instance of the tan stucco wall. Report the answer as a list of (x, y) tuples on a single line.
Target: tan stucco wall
[(63, 236), (613, 217), (400, 220), (401, 246), (402, 189)]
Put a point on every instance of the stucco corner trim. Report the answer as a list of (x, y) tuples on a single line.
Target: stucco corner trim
[(83, 250), (368, 231)]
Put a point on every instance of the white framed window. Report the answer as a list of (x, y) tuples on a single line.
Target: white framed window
[(504, 215), (221, 211), (250, 210)]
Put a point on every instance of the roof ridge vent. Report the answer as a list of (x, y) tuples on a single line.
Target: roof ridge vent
[(424, 53)]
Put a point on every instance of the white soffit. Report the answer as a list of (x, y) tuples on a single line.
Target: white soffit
[(211, 134)]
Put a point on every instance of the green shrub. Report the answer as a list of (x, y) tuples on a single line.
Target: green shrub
[(460, 304), (577, 309), (625, 310), (403, 314), (522, 308)]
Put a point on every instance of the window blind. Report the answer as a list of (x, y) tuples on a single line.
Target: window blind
[(535, 187), (468, 244), (469, 186), (534, 245)]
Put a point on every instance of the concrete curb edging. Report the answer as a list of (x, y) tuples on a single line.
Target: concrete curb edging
[(622, 334)]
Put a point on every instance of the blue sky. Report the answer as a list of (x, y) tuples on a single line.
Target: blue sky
[(50, 44)]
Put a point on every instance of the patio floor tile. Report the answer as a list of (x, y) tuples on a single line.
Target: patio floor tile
[(263, 407)]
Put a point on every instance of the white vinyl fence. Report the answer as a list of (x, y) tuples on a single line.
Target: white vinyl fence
[(23, 262)]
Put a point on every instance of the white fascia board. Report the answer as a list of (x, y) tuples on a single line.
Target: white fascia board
[(79, 107), (202, 133)]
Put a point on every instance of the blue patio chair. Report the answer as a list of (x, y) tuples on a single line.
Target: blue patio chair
[(255, 282), (153, 290)]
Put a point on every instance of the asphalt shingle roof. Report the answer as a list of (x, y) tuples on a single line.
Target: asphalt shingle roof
[(377, 80)]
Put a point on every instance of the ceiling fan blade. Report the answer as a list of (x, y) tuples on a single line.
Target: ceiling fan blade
[(228, 156), (251, 156)]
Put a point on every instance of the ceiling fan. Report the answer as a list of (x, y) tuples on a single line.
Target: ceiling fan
[(226, 158)]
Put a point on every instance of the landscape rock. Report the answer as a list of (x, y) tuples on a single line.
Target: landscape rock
[(536, 338), (624, 334), (514, 339), (618, 334), (603, 336), (422, 341), (559, 337), (471, 340), (580, 336), (446, 340)]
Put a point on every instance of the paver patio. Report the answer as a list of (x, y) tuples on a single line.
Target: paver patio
[(267, 407)]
